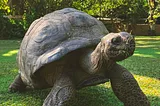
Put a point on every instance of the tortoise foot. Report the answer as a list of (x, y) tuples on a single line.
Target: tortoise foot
[(17, 85)]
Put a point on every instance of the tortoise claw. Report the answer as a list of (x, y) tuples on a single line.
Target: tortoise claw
[(14, 88), (17, 85)]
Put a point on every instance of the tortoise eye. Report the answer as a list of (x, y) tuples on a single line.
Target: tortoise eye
[(116, 40)]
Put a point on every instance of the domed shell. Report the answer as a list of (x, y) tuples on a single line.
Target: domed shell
[(51, 37)]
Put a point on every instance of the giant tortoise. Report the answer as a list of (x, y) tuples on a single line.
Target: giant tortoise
[(68, 50)]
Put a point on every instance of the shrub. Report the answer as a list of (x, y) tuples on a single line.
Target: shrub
[(10, 28)]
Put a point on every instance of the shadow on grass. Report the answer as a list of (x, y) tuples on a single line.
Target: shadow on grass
[(95, 96), (90, 96)]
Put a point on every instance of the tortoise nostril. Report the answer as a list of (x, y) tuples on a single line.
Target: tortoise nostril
[(116, 40)]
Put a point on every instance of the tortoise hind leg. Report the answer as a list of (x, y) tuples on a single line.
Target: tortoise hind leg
[(126, 87), (62, 91), (17, 85)]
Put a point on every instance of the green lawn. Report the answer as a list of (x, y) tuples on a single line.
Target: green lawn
[(145, 65)]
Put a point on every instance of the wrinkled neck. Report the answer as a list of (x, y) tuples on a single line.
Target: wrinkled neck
[(94, 61), (98, 59)]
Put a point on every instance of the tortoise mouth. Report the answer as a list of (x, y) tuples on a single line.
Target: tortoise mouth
[(114, 53), (121, 54), (118, 55)]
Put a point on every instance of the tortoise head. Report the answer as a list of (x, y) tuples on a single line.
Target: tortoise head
[(117, 46)]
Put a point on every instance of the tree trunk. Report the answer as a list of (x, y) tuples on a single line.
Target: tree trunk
[(151, 20)]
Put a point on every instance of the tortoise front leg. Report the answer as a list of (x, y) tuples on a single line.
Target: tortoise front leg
[(126, 87), (62, 91)]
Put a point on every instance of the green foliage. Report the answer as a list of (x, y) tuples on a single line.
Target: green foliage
[(144, 64), (3, 6), (125, 9), (125, 13), (10, 28), (157, 10), (128, 10)]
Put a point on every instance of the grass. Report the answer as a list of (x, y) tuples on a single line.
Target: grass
[(144, 65)]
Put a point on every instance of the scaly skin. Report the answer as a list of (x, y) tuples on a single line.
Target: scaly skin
[(126, 87)]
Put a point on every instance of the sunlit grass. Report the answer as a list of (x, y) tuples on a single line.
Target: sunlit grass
[(144, 65), (149, 85), (157, 52), (148, 38), (10, 53), (142, 55)]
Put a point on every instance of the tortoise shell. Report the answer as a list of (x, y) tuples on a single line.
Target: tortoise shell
[(51, 37)]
